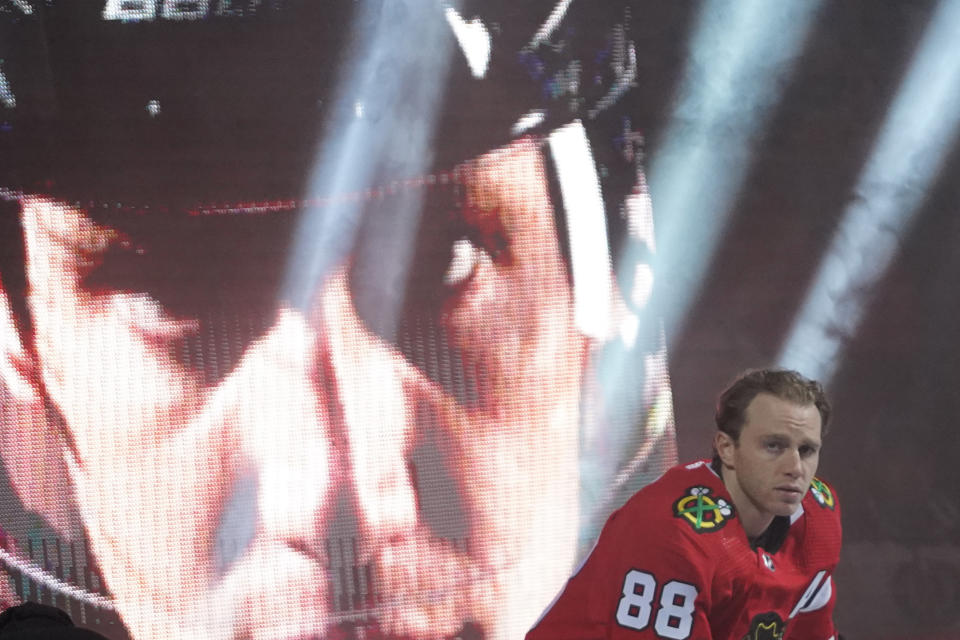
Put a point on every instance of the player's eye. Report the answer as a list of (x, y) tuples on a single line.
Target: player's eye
[(468, 251), (146, 316), (464, 259), (492, 240), (120, 267), (774, 446), (806, 451)]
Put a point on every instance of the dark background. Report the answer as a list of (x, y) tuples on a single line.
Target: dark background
[(892, 451)]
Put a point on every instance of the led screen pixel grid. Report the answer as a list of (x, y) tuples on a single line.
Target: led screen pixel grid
[(416, 450)]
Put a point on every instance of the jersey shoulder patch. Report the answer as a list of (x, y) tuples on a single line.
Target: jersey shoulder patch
[(702, 509), (822, 494)]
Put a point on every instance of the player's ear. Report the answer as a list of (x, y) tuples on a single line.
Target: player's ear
[(724, 444)]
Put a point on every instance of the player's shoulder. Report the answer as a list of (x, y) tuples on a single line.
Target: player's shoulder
[(675, 479), (823, 531), (672, 523), (821, 498), (686, 497)]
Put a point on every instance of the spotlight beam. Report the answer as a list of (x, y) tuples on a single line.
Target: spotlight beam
[(382, 124), (919, 130), (739, 56)]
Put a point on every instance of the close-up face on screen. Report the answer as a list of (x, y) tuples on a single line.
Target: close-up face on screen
[(310, 313), (361, 319)]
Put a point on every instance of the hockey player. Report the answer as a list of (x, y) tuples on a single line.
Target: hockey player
[(743, 546)]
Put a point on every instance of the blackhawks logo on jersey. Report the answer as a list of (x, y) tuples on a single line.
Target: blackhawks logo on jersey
[(821, 493), (702, 511), (765, 626)]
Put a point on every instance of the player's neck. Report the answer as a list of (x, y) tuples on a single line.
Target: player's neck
[(752, 519)]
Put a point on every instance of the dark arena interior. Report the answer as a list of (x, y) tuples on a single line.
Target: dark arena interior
[(357, 319)]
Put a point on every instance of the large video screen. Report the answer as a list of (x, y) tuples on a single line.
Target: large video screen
[(320, 319)]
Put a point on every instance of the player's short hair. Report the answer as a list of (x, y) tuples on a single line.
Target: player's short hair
[(785, 384)]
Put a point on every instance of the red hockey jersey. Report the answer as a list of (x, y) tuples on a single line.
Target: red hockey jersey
[(674, 562)]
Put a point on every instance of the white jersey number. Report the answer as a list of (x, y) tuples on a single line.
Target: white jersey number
[(675, 614)]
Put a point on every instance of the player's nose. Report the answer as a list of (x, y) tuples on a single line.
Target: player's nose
[(793, 463), (281, 408), (367, 378), (325, 426)]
